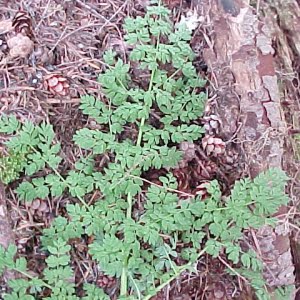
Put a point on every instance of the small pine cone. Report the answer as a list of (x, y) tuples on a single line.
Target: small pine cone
[(217, 291), (211, 124), (20, 46), (38, 207), (105, 281), (201, 190), (56, 84), (21, 244), (22, 23), (230, 157), (189, 153), (213, 146), (231, 160), (205, 170), (183, 177)]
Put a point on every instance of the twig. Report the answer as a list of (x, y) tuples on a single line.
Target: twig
[(162, 187), (232, 269)]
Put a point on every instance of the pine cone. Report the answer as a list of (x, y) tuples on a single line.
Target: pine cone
[(211, 124), (213, 146), (21, 244), (189, 153), (217, 291), (231, 161), (38, 207), (205, 170), (183, 178), (182, 175), (22, 23), (105, 281), (201, 190), (56, 84), (20, 46)]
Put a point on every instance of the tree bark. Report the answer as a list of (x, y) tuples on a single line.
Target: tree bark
[(284, 17), (241, 58), (6, 233)]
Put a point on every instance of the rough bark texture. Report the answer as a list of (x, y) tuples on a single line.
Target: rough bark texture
[(6, 233), (240, 56), (284, 17)]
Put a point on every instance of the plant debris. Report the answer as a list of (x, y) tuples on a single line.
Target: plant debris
[(20, 46)]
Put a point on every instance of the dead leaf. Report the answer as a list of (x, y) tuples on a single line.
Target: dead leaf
[(20, 46), (191, 20)]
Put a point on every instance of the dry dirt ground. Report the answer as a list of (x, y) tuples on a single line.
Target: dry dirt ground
[(69, 38)]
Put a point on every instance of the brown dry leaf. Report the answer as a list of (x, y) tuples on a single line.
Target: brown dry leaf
[(20, 46), (5, 26), (191, 20)]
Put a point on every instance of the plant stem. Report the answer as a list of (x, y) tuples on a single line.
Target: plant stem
[(180, 270), (31, 277), (160, 287), (136, 287), (129, 201), (139, 139), (124, 280), (124, 276)]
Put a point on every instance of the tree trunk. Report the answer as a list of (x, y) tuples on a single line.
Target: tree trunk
[(284, 17), (241, 58), (6, 233)]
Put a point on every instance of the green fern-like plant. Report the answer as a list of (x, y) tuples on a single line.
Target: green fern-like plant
[(139, 247), (245, 208), (31, 149), (58, 276)]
